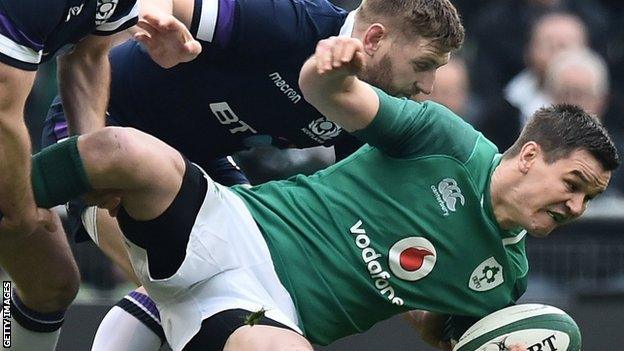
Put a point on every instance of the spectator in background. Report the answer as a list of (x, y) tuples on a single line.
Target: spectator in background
[(496, 119), (581, 77), (551, 34), (501, 30), (451, 88)]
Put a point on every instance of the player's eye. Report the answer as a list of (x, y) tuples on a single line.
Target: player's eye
[(422, 66), (571, 186)]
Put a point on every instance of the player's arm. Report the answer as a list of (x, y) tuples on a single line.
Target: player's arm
[(17, 204), (84, 80), (328, 82), (164, 32), (430, 326)]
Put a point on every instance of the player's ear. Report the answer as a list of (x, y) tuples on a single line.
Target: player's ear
[(529, 153), (373, 37)]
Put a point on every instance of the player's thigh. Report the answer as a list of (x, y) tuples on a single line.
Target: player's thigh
[(111, 242), (266, 338), (229, 330), (42, 267)]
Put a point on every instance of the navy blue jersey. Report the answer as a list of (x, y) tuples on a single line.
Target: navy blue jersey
[(32, 31), (242, 91)]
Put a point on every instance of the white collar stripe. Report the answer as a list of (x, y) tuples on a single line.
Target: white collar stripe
[(514, 239)]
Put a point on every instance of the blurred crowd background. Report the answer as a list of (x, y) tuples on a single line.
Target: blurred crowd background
[(519, 55)]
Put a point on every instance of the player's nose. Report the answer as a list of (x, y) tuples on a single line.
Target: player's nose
[(425, 82)]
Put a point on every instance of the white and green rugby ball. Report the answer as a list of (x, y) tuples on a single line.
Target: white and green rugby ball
[(539, 327)]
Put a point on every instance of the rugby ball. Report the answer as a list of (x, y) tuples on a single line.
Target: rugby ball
[(538, 327)]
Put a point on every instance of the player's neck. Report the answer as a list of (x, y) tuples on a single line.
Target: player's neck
[(502, 196)]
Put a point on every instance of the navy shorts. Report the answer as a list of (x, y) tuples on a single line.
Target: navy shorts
[(223, 169)]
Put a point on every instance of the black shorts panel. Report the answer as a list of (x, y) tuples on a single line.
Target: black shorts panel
[(166, 237), (216, 330)]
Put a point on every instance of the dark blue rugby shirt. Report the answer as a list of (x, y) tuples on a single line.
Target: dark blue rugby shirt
[(242, 91), (31, 31)]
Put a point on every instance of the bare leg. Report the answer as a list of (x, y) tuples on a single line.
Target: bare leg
[(144, 170), (46, 279), (266, 338), (110, 241)]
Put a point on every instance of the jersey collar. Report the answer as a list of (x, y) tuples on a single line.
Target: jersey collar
[(347, 28)]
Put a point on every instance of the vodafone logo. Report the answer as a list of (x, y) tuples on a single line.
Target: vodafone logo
[(412, 258)]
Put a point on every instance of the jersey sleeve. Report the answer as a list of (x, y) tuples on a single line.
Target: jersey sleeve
[(24, 26), (112, 17), (405, 128), (253, 26)]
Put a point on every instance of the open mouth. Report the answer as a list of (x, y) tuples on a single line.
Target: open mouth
[(557, 217)]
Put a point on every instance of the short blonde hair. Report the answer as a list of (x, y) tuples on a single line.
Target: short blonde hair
[(436, 20)]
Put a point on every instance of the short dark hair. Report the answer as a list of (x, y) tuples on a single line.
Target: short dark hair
[(436, 20), (562, 129)]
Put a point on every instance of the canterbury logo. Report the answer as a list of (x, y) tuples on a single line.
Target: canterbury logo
[(447, 193), (450, 193)]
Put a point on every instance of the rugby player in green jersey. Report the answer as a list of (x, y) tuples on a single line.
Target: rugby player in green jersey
[(427, 216)]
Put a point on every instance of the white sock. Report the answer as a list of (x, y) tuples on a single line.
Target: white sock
[(23, 339), (121, 331), (35, 330)]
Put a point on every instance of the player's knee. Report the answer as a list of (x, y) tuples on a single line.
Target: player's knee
[(108, 150), (54, 294)]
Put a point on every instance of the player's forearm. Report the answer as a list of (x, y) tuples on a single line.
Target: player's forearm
[(151, 6), (84, 81), (336, 92), (328, 92)]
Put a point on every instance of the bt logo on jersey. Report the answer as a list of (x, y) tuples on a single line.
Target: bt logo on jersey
[(227, 117)]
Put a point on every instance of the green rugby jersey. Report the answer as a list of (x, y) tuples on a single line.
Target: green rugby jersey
[(404, 223)]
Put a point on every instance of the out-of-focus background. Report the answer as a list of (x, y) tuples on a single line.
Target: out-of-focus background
[(518, 56)]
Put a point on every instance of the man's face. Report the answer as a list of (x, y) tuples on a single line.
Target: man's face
[(579, 85), (552, 36), (403, 68), (553, 194), (450, 88)]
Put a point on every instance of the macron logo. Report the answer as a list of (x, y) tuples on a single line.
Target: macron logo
[(447, 193), (285, 87)]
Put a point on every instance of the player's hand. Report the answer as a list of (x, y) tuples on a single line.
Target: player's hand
[(430, 326), (26, 225), (166, 39), (339, 54), (517, 347)]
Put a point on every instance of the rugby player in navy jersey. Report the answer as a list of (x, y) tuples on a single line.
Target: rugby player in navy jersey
[(242, 90), (33, 248)]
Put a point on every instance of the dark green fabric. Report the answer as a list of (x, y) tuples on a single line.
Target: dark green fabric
[(58, 174)]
